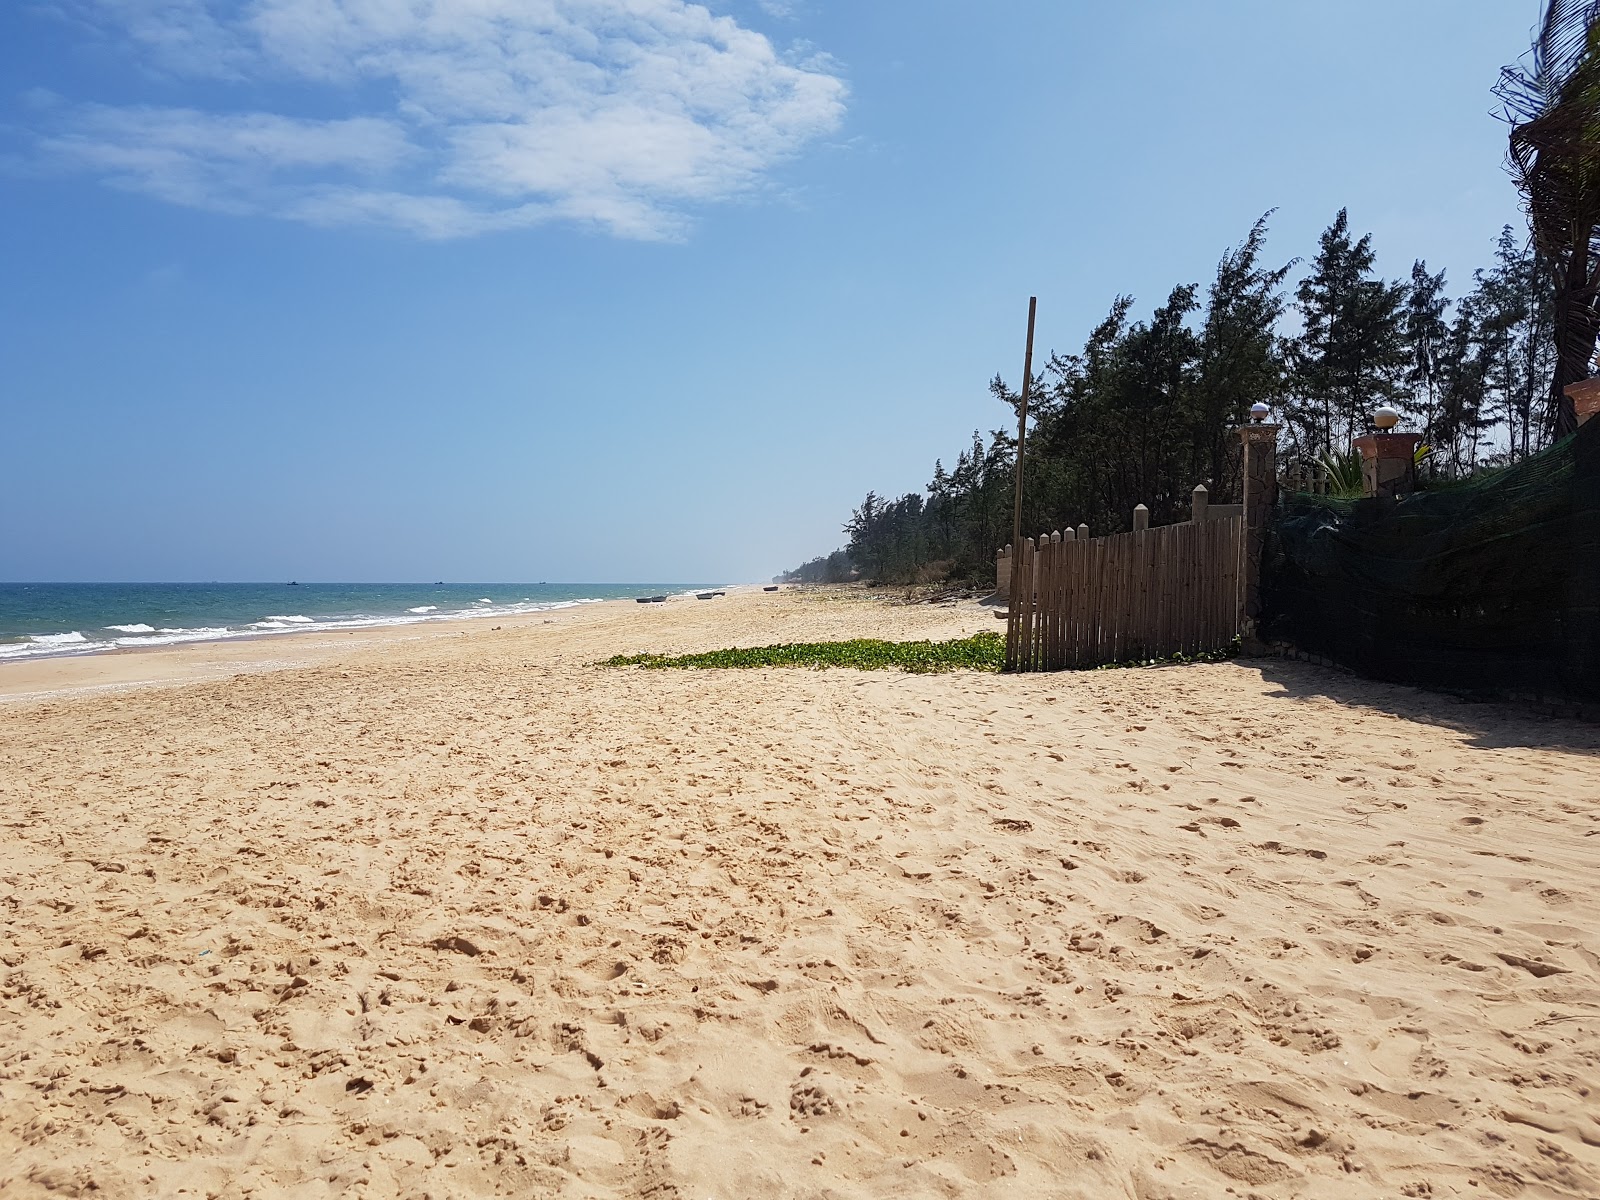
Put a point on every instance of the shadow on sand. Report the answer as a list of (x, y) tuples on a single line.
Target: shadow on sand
[(1488, 724)]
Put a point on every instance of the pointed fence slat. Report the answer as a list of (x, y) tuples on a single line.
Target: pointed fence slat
[(1078, 601)]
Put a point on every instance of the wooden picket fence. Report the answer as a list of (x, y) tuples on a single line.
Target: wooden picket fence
[(1078, 601)]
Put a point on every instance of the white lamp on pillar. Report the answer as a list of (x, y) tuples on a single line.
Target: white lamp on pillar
[(1259, 411), (1386, 418)]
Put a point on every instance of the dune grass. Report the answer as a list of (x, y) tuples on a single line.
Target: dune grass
[(981, 652)]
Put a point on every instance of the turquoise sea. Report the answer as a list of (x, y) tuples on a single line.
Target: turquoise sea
[(42, 619)]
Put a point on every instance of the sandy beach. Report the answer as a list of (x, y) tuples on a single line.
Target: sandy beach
[(456, 913)]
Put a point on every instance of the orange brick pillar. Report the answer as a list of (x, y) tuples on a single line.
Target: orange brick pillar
[(1585, 397), (1388, 463)]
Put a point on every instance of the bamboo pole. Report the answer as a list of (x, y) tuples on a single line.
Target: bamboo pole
[(1158, 590), (1198, 571), (1025, 639), (1118, 578), (1041, 601), (1011, 613), (1138, 581), (1022, 423), (1069, 596), (1220, 548), (1168, 594), (1185, 606), (1147, 561), (1023, 599), (1174, 641), (1109, 608), (1081, 601), (1014, 608), (1069, 562), (1091, 602), (1102, 594), (1119, 603), (1049, 648), (1192, 558)]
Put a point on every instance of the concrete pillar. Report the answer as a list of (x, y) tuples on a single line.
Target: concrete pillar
[(1388, 463), (1260, 494)]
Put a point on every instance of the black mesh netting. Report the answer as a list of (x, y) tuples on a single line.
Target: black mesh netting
[(1490, 586)]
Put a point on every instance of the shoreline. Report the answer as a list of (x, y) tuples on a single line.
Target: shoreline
[(174, 664), (45, 621)]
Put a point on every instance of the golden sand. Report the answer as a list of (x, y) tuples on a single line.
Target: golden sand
[(455, 913)]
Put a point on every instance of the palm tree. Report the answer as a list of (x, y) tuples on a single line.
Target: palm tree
[(1552, 102)]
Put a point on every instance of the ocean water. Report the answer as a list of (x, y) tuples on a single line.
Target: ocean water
[(43, 619)]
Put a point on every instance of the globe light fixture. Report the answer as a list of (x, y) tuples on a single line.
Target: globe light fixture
[(1259, 411), (1386, 418)]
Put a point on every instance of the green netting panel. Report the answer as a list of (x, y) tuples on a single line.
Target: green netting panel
[(1490, 586)]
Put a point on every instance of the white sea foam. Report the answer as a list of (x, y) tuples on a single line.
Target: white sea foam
[(169, 637), (41, 644), (56, 644)]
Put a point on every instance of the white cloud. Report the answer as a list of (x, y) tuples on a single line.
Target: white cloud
[(448, 118)]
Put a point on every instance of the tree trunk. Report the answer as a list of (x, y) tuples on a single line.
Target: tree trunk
[(1577, 328)]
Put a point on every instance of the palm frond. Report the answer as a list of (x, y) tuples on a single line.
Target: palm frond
[(1553, 105), (1551, 100), (1344, 473)]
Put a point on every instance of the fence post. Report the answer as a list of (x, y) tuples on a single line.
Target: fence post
[(1199, 499), (1083, 533), (1141, 518), (1002, 572), (1260, 494)]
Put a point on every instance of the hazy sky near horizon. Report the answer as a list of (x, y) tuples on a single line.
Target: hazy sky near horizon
[(613, 290)]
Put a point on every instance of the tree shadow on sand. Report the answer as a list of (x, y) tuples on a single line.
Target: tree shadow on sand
[(1489, 724)]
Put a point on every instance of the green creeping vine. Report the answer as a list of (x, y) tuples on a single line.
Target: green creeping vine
[(981, 652), (1231, 650)]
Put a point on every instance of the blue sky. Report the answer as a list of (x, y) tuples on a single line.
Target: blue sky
[(613, 290)]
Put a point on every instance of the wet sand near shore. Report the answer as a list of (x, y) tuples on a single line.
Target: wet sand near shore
[(187, 662), (458, 913)]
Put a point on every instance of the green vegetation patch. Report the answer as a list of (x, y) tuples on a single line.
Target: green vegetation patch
[(1231, 650), (981, 652)]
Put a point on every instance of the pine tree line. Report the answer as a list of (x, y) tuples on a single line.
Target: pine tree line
[(1148, 408)]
